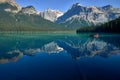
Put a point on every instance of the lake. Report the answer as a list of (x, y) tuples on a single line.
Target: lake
[(59, 56)]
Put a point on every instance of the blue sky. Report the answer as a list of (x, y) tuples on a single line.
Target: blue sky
[(64, 5)]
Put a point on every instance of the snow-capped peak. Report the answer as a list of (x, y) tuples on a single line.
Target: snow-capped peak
[(49, 9), (51, 14), (75, 5), (88, 16)]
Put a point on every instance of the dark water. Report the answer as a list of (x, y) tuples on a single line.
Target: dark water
[(59, 57)]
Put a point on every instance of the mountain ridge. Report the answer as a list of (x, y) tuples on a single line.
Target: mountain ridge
[(77, 16), (12, 3), (90, 14), (20, 21)]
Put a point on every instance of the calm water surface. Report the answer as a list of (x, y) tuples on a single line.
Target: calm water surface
[(59, 57)]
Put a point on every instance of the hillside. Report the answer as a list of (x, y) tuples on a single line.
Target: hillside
[(109, 27), (16, 18), (20, 21), (81, 16)]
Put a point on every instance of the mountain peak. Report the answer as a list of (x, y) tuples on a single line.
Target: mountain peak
[(12, 3), (79, 15), (30, 10), (49, 9), (108, 7), (29, 7), (75, 5), (51, 14)]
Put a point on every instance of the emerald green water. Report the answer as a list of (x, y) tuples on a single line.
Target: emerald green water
[(59, 56)]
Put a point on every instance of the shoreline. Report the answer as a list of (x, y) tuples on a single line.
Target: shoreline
[(54, 32)]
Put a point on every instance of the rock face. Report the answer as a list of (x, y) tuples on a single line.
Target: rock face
[(26, 19), (51, 15), (78, 15), (30, 10), (3, 1), (12, 3)]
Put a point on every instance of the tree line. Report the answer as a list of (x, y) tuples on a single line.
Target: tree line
[(108, 27)]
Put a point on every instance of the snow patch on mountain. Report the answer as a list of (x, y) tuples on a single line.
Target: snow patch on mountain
[(51, 15), (90, 14)]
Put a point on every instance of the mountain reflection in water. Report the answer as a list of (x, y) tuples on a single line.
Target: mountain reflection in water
[(80, 48), (14, 47)]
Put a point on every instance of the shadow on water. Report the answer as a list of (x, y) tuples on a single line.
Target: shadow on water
[(80, 57)]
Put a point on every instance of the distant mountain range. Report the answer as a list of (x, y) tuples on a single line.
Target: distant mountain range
[(77, 16), (16, 18), (80, 16)]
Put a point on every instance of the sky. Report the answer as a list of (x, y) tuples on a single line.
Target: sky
[(64, 5)]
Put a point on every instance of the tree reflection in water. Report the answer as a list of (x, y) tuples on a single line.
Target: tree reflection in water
[(12, 48)]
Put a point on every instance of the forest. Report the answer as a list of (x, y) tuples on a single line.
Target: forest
[(108, 27)]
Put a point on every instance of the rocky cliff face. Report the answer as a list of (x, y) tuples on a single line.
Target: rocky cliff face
[(13, 4), (29, 10), (77, 16), (51, 15), (90, 15)]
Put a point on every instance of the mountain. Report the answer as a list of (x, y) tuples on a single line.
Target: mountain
[(30, 10), (80, 16), (10, 6), (13, 17), (108, 27), (24, 19), (51, 15)]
